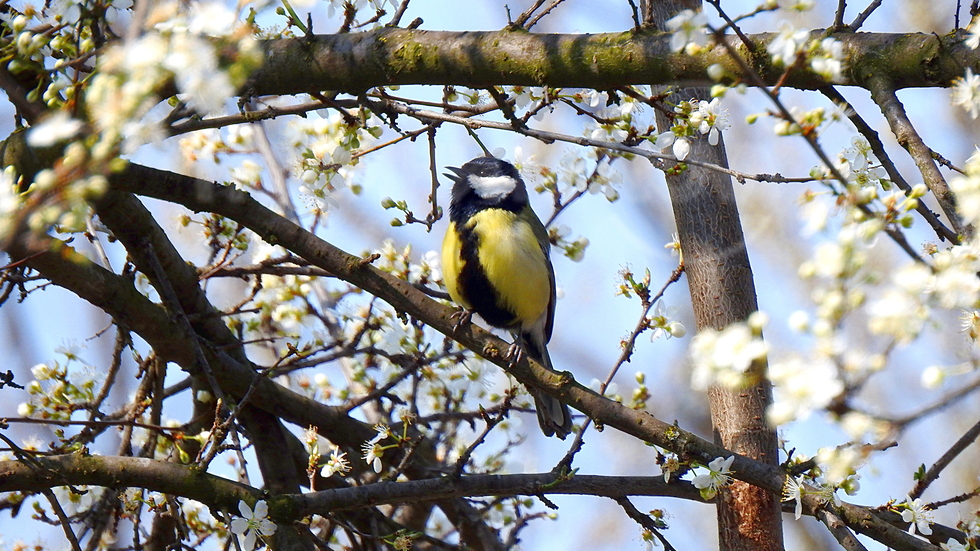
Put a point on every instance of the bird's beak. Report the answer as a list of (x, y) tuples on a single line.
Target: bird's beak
[(457, 174)]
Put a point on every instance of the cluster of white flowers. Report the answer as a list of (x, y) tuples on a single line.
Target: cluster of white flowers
[(801, 386), (967, 190), (328, 144), (690, 119), (839, 466), (859, 166), (690, 32), (949, 282), (825, 56), (58, 389), (724, 357), (124, 91), (613, 121)]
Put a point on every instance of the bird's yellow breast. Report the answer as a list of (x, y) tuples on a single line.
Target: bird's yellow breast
[(510, 256)]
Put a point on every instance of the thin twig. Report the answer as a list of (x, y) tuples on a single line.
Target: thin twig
[(936, 469), (522, 18), (644, 521), (398, 14), (65, 522), (641, 325), (749, 45), (811, 139), (839, 15), (941, 403), (542, 14), (662, 160), (863, 16)]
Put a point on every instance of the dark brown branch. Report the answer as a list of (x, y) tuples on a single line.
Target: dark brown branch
[(839, 529)]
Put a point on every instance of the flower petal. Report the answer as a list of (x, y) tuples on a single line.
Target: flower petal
[(261, 509), (239, 526), (244, 509)]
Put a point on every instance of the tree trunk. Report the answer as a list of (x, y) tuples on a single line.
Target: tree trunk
[(722, 292)]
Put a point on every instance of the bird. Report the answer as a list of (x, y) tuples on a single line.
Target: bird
[(497, 262)]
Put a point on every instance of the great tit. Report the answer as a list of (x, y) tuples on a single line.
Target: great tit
[(496, 262)]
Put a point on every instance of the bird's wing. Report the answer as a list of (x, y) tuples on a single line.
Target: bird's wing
[(541, 233)]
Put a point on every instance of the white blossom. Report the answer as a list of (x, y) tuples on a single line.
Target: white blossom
[(9, 200), (680, 147), (973, 36), (56, 128), (253, 523), (688, 28), (967, 189), (717, 477), (793, 490), (802, 386), (723, 357), (827, 60), (917, 515), (966, 93), (788, 44), (336, 463), (953, 545)]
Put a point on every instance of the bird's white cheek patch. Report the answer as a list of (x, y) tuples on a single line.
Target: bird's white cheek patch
[(493, 187)]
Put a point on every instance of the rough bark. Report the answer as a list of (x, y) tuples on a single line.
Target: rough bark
[(722, 292)]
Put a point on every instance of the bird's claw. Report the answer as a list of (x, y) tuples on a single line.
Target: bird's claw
[(463, 317), (514, 353)]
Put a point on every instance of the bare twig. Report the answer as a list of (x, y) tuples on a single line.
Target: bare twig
[(863, 16), (522, 18), (941, 403), (669, 161), (65, 522), (936, 469), (398, 14), (749, 45), (546, 11), (839, 15), (644, 521), (641, 325)]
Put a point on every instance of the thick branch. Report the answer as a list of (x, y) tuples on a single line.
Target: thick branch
[(354, 62), (124, 472)]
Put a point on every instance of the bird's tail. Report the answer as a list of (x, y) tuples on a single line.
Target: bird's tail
[(553, 416)]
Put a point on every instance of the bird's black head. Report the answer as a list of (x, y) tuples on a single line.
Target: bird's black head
[(485, 182)]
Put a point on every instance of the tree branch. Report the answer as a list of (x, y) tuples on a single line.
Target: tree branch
[(356, 62)]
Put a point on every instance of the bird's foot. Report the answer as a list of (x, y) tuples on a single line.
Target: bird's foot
[(463, 317), (514, 353)]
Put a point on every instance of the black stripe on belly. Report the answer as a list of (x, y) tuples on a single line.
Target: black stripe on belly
[(474, 285)]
